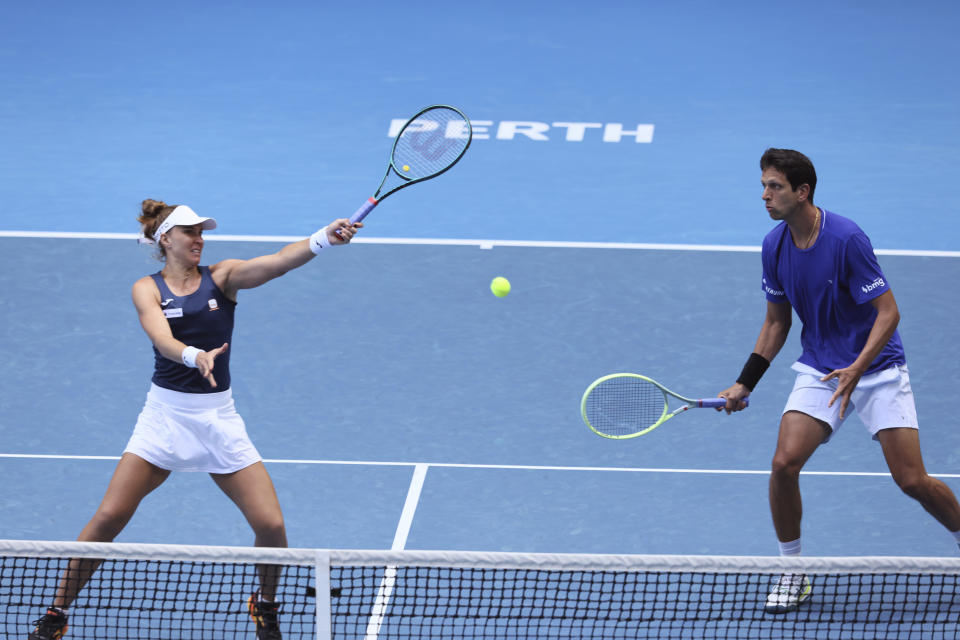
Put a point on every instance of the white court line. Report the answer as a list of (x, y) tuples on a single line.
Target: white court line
[(481, 243), (385, 590), (515, 467), (409, 507)]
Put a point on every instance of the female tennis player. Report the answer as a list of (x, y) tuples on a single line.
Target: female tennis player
[(189, 422)]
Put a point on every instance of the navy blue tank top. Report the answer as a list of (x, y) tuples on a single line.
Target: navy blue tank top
[(203, 319)]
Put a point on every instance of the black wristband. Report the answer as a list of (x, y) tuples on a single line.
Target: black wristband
[(752, 371)]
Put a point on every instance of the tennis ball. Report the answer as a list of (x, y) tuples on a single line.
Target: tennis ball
[(500, 286), (406, 167)]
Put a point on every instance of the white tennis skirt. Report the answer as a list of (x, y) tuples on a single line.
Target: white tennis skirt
[(192, 432)]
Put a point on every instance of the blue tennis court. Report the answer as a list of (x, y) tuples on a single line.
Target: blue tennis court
[(613, 179)]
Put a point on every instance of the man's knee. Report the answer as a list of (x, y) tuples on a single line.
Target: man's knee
[(785, 467), (914, 484)]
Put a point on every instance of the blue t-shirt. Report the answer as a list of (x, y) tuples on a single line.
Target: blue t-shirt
[(830, 286), (203, 319)]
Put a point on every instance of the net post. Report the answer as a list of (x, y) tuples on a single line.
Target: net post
[(322, 578)]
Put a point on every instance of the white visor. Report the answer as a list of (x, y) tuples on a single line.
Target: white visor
[(183, 216)]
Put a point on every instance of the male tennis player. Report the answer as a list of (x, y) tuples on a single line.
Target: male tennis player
[(823, 266), (189, 422)]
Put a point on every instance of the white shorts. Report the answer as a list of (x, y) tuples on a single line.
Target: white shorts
[(883, 400), (192, 432)]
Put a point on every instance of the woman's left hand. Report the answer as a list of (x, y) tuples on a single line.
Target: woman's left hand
[(205, 363)]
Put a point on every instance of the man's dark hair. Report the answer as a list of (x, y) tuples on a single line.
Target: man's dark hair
[(794, 165)]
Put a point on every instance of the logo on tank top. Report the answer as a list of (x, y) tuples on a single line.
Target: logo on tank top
[(212, 303)]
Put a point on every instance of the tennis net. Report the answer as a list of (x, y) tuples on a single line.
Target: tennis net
[(184, 592)]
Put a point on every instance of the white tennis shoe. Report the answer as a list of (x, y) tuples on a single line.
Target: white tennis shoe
[(790, 591)]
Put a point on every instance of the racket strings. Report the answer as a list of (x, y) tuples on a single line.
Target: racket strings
[(431, 143), (623, 406)]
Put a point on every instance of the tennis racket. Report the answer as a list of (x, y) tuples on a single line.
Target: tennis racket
[(429, 144), (627, 405)]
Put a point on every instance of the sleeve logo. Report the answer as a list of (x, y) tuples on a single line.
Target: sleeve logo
[(867, 288), (770, 290)]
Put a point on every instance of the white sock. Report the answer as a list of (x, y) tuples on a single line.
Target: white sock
[(792, 548)]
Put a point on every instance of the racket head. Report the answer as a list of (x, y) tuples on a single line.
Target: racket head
[(624, 405), (429, 144)]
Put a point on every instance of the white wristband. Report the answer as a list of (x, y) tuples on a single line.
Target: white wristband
[(189, 356), (319, 241)]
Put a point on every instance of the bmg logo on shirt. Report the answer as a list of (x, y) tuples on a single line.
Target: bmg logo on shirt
[(212, 303), (867, 288)]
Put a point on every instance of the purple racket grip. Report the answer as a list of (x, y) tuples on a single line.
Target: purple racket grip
[(718, 402), (362, 212)]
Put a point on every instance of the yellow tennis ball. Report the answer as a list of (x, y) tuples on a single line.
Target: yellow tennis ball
[(406, 167), (500, 286)]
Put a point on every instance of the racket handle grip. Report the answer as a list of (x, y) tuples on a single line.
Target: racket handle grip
[(362, 212), (718, 403)]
